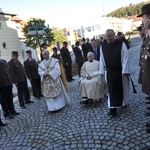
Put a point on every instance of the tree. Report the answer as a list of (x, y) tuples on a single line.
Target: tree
[(58, 35), (35, 41), (132, 9)]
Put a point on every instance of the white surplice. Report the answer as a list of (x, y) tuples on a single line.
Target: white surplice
[(54, 103), (94, 88), (125, 69)]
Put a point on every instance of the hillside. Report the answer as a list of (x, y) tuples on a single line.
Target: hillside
[(132, 9)]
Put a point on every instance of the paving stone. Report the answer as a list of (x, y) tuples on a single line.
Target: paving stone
[(77, 126)]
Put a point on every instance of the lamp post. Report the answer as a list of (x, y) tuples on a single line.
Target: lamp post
[(36, 29)]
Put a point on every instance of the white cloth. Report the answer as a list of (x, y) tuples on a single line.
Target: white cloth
[(94, 88), (62, 99), (125, 70)]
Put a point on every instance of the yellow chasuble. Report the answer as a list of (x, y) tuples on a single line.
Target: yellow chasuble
[(52, 88)]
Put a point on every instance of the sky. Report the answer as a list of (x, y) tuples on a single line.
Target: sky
[(62, 13)]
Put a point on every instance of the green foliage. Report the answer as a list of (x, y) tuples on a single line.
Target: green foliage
[(35, 40), (132, 9), (58, 35)]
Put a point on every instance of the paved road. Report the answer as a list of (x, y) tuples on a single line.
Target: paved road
[(80, 127), (136, 40)]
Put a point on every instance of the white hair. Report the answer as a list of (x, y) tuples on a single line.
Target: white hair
[(90, 53), (45, 51)]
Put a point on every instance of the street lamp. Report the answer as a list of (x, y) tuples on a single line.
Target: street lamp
[(36, 29)]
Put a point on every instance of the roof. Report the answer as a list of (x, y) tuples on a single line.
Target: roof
[(2, 13), (134, 18), (17, 19)]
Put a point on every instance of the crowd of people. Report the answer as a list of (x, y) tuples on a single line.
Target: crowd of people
[(103, 68)]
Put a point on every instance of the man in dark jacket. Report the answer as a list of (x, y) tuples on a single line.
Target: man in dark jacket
[(88, 44), (31, 68), (95, 49), (6, 99), (19, 79), (65, 54), (1, 123), (78, 55), (121, 37), (84, 49)]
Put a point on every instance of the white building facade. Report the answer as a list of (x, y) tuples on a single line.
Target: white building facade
[(96, 27)]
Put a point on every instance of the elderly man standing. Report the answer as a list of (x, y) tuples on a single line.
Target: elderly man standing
[(54, 87), (114, 60), (92, 85)]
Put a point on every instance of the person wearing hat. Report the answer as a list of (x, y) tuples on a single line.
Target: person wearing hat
[(123, 39), (6, 96), (31, 68), (145, 56), (44, 46), (144, 59), (19, 79)]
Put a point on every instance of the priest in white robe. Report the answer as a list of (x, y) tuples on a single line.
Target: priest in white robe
[(53, 88), (114, 65), (91, 85)]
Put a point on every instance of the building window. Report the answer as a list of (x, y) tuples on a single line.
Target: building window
[(68, 33), (87, 29), (4, 45), (17, 27), (96, 27)]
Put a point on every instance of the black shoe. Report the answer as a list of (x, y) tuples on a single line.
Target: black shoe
[(90, 101), (84, 102), (148, 130), (148, 113), (72, 79), (147, 97), (37, 98), (15, 113), (41, 95), (9, 116), (112, 112), (29, 102), (2, 124), (148, 148), (147, 124), (69, 80), (23, 107)]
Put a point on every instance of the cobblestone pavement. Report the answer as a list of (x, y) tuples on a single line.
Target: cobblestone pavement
[(80, 127)]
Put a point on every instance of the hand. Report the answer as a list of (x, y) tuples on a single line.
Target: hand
[(89, 77), (45, 74), (125, 74), (102, 75)]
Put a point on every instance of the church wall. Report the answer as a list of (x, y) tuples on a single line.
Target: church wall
[(8, 34)]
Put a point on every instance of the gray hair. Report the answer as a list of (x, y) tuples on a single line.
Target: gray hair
[(90, 53), (110, 30), (45, 51)]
